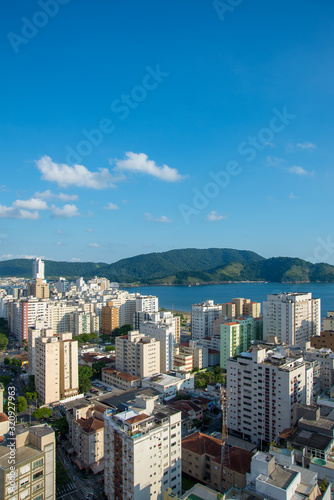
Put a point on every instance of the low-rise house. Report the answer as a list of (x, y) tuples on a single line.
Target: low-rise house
[(170, 384), (119, 379)]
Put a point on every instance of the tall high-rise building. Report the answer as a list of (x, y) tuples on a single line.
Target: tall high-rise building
[(142, 451), (109, 318), (34, 332), (56, 367), (262, 387), (237, 336), (38, 269), (137, 354), (291, 317), (165, 334), (202, 317), (34, 473)]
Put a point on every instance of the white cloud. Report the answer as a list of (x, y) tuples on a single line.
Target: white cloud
[(31, 204), (66, 211), (75, 259), (78, 175), (271, 198), (17, 213), (214, 216), (295, 169), (94, 245), (293, 196), (161, 220), (273, 161), (111, 206), (48, 195), (140, 163), (306, 145), (89, 230), (59, 231), (58, 243)]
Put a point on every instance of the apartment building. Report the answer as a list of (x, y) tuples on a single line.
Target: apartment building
[(328, 321), (86, 433), (39, 289), (262, 386), (109, 318), (165, 335), (237, 336), (56, 367), (142, 451), (34, 333), (34, 474), (202, 318), (291, 317), (324, 340), (137, 354), (325, 357), (201, 459), (147, 303), (38, 269), (4, 421), (182, 360)]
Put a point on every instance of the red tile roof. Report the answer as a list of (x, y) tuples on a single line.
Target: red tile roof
[(137, 418), (202, 444), (90, 424), (237, 459), (124, 376)]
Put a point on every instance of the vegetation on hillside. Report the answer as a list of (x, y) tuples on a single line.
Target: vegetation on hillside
[(185, 266)]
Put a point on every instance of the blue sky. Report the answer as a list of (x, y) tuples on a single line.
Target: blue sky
[(134, 127)]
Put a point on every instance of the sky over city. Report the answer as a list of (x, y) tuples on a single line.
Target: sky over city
[(131, 127)]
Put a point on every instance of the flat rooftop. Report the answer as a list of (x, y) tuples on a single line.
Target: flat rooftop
[(22, 454), (311, 440), (281, 477)]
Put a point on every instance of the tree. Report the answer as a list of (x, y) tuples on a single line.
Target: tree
[(109, 348), (7, 361), (3, 341), (43, 412), (85, 373), (31, 395), (16, 362), (195, 369), (97, 368), (84, 385), (61, 425), (21, 404)]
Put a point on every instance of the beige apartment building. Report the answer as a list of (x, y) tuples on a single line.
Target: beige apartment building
[(56, 367), (86, 434), (34, 473), (201, 459), (137, 354), (109, 318), (39, 289)]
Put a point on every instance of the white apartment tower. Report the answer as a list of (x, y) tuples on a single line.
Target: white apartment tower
[(142, 451), (291, 317), (137, 354), (165, 334), (40, 328), (38, 269), (202, 318), (262, 388)]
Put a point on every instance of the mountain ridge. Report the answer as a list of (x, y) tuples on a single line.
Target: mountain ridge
[(183, 266)]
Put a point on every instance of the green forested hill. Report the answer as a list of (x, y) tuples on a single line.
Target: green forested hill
[(183, 266)]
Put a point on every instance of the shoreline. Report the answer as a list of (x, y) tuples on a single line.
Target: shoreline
[(206, 283)]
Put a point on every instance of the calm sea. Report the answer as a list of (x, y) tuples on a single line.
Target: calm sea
[(181, 297)]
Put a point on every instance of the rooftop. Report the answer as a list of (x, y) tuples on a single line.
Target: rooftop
[(281, 477), (202, 444)]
